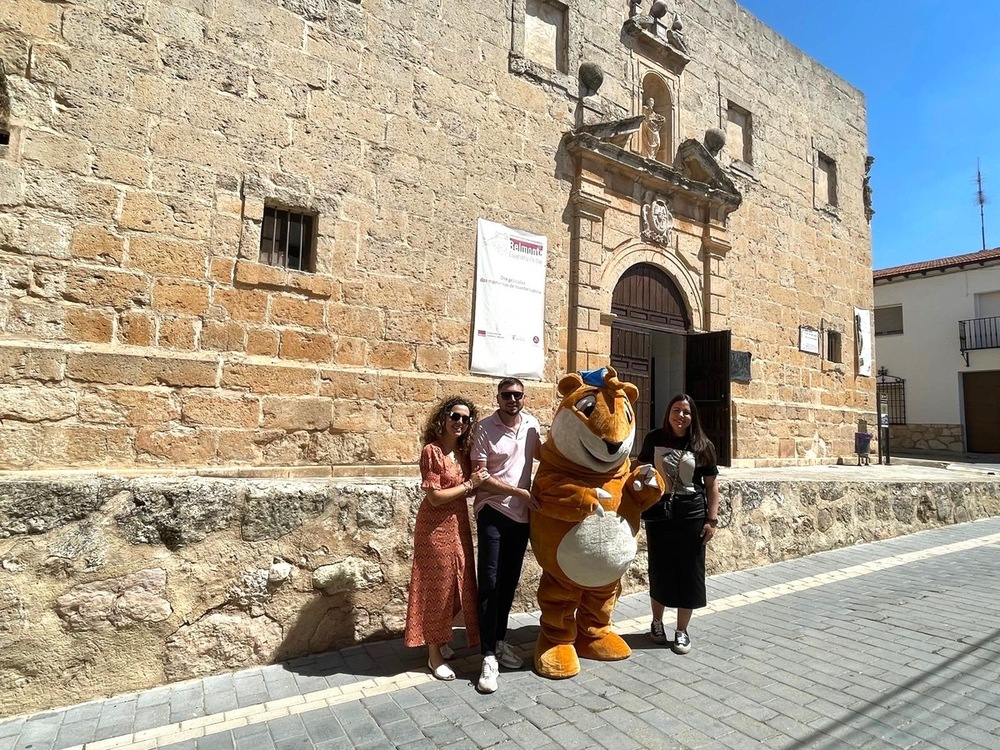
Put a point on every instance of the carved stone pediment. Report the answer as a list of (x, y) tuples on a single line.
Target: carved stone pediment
[(658, 42), (694, 179), (697, 163)]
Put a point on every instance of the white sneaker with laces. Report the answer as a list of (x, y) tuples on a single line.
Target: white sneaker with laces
[(507, 657), (682, 642), (488, 678)]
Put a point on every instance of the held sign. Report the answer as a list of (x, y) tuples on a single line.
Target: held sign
[(509, 323)]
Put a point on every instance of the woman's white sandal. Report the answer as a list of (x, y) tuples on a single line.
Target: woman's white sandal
[(444, 672)]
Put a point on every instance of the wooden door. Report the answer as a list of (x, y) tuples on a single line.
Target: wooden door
[(982, 411), (707, 381), (630, 356), (645, 300)]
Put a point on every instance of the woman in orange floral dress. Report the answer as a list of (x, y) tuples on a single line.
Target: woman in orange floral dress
[(443, 581)]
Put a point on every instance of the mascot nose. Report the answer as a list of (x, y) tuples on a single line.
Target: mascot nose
[(613, 448)]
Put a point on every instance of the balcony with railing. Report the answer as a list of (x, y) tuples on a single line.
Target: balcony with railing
[(978, 333)]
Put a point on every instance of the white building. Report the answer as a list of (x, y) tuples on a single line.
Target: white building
[(937, 336)]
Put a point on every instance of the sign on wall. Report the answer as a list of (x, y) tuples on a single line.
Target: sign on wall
[(808, 340), (863, 340), (509, 323)]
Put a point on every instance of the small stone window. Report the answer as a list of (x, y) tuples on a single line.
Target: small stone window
[(288, 239), (545, 34), (834, 350), (889, 320), (826, 180), (738, 133)]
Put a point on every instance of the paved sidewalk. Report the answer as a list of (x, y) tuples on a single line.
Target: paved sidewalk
[(892, 644)]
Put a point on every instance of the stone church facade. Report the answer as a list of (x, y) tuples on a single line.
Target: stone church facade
[(143, 323), (238, 247)]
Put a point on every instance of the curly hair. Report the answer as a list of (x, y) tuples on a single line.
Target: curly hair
[(435, 423)]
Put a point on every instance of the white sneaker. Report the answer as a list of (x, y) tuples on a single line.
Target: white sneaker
[(488, 679), (507, 657)]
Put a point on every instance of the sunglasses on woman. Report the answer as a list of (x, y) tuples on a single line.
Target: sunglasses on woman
[(463, 418)]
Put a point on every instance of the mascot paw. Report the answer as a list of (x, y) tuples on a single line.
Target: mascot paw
[(557, 661), (611, 647)]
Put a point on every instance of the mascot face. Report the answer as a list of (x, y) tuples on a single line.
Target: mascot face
[(595, 424)]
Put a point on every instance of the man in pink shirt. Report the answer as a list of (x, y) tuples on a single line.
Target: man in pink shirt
[(506, 443)]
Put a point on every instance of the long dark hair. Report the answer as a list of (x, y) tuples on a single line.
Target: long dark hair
[(698, 441), (435, 423)]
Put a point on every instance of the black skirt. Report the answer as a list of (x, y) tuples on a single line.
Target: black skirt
[(676, 554)]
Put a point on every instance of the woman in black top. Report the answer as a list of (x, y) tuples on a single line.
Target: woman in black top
[(684, 521)]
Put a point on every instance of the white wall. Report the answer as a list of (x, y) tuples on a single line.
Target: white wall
[(927, 353)]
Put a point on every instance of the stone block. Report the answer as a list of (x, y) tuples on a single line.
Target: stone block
[(120, 167), (221, 270), (262, 342), (104, 287), (179, 333), (91, 325), (250, 273), (174, 216), (37, 505), (295, 311), (221, 642), (128, 406), (291, 414), (137, 370), (432, 359), (34, 404), (304, 346), (164, 256), (55, 151), (136, 328), (20, 363), (217, 409), (228, 336), (179, 445), (11, 184), (179, 296), (350, 351), (121, 602), (269, 379), (392, 356), (245, 305), (94, 242), (351, 385), (351, 574)]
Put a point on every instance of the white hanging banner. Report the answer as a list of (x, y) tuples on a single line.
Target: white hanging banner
[(509, 324), (863, 340)]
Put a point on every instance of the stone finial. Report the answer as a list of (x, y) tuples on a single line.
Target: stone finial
[(591, 76), (715, 139), (658, 9)]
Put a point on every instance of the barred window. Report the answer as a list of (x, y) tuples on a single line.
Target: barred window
[(287, 239)]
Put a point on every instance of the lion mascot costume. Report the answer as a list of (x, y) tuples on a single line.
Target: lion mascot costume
[(583, 533)]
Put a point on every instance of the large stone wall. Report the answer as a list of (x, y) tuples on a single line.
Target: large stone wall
[(138, 329), (110, 584)]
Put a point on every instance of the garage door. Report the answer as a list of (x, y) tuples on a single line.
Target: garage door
[(982, 411)]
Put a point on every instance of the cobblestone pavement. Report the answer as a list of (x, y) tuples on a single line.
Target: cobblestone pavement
[(892, 644)]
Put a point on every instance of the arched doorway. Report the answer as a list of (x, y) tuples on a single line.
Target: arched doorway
[(653, 346), (647, 339)]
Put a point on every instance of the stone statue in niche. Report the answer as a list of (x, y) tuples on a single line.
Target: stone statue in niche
[(652, 125), (866, 188), (656, 219)]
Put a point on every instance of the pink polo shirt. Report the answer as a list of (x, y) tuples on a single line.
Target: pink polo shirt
[(508, 453)]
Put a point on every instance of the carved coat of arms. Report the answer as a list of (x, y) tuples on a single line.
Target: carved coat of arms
[(656, 220)]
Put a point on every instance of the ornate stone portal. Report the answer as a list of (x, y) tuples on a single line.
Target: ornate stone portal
[(627, 209)]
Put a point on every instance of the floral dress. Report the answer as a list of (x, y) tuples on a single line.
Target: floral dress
[(443, 580)]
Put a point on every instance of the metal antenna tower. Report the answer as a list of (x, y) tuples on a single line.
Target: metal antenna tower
[(981, 200)]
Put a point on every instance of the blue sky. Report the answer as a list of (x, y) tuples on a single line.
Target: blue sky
[(930, 71)]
